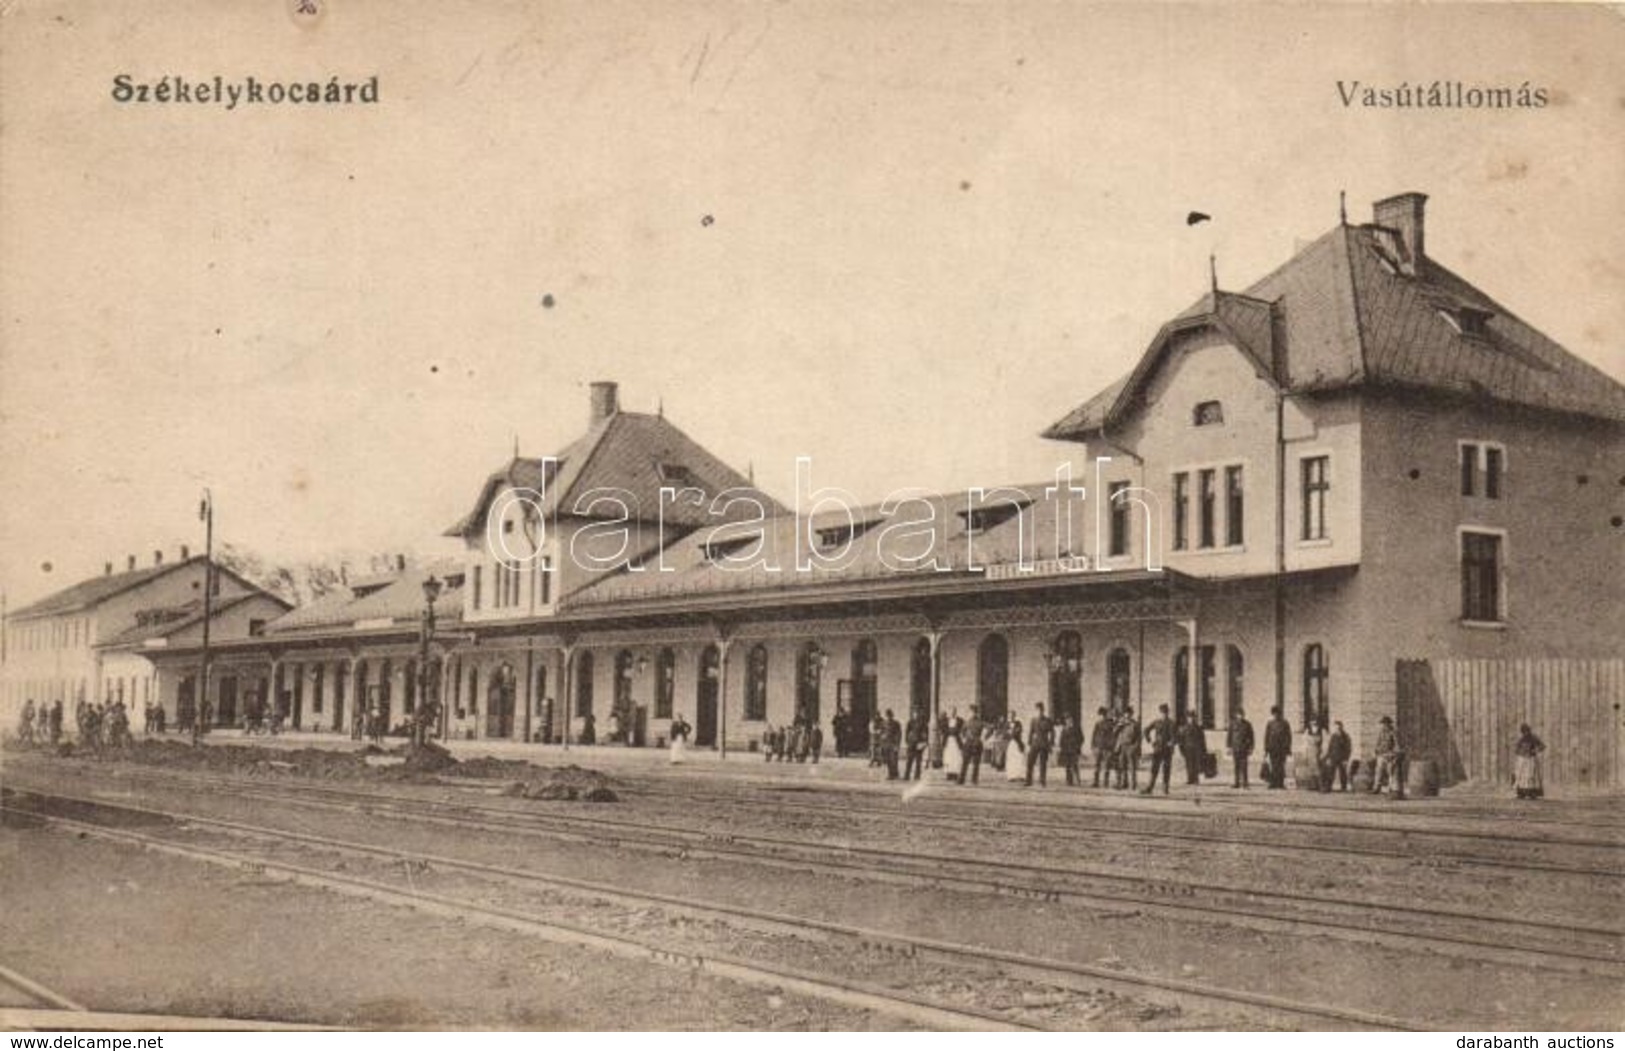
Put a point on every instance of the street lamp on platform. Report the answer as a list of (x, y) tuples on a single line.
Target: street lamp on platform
[(428, 713)]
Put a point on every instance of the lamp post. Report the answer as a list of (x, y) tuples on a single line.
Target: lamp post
[(428, 712), (205, 512)]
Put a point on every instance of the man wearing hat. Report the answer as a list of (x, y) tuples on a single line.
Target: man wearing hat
[(1160, 734), (1389, 760), (1277, 746), (1239, 739)]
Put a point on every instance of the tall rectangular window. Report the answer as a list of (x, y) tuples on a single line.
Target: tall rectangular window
[(479, 578), (1182, 499), (1117, 498), (1207, 508), (1492, 472), (1233, 507), (1316, 483), (1481, 577), (1469, 469)]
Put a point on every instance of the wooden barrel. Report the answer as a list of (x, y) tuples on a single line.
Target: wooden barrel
[(1422, 778), (1306, 773)]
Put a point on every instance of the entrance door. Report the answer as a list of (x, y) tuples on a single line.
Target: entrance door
[(228, 700), (865, 691), (919, 681), (499, 703), (705, 698), (993, 678), (1066, 678)]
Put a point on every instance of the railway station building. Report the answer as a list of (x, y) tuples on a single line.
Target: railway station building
[(1358, 487)]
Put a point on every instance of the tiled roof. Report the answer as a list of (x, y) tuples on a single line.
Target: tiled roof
[(631, 451), (400, 600), (955, 547), (95, 590), (1346, 315)]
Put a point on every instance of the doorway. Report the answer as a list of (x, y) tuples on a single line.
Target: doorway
[(705, 697)]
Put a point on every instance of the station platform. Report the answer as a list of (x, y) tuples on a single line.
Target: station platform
[(858, 775)]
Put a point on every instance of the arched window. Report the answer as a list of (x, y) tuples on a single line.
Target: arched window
[(993, 678), (411, 687), (584, 684), (362, 673), (386, 682), (665, 683), (1316, 696), (625, 671), (809, 679), (1119, 680), (756, 683)]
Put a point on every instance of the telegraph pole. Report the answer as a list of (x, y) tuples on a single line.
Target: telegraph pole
[(205, 512)]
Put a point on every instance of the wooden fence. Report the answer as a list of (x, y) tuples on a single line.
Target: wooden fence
[(1464, 714)]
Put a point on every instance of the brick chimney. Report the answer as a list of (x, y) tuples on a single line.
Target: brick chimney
[(605, 402), (157, 558), (1404, 214), (131, 559), (107, 569)]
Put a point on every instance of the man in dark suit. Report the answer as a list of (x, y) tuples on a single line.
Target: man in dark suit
[(1102, 743), (1239, 739), (1040, 739), (1160, 735), (970, 749), (891, 742), (1338, 750), (1071, 750), (1277, 746), (915, 740)]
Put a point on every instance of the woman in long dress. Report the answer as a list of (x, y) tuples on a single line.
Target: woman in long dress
[(953, 756), (1015, 756), (679, 739), (1526, 764)]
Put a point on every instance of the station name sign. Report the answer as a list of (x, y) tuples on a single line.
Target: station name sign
[(1047, 567)]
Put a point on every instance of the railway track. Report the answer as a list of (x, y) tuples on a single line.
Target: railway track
[(770, 936), (1219, 827), (1241, 812), (1587, 948)]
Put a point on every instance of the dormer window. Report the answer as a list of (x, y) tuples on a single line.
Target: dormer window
[(981, 519), (1207, 414), (718, 550), (1468, 321), (676, 474), (832, 537)]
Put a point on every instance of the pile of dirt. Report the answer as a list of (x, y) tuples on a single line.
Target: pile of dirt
[(429, 759), (432, 763)]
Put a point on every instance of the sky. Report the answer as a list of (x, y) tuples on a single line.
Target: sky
[(900, 238)]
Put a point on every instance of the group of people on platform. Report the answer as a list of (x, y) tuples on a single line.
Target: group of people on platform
[(98, 725), (1118, 744), (802, 741)]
